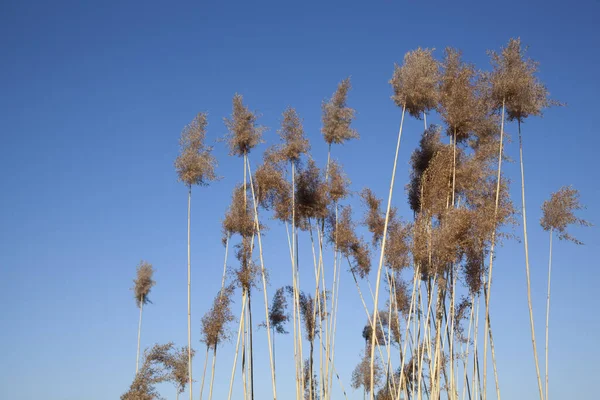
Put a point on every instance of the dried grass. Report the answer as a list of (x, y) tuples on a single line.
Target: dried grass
[(195, 164)]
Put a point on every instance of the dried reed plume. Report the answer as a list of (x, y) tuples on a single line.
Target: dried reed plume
[(374, 219), (361, 376), (247, 274), (155, 369), (458, 102), (278, 316), (337, 183), (429, 145), (415, 83), (143, 283), (215, 321), (238, 218), (291, 133), (272, 190), (558, 213), (311, 195), (337, 116), (195, 164), (514, 82), (178, 365), (244, 133)]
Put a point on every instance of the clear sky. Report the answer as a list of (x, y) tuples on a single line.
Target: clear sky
[(92, 101)]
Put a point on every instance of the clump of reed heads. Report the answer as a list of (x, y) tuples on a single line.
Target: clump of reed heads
[(143, 283), (278, 315), (311, 196), (559, 213), (337, 183), (177, 363), (420, 159), (337, 116), (294, 144), (238, 218), (218, 317), (341, 233), (243, 131), (361, 375), (155, 369), (458, 101), (246, 276), (514, 82), (195, 164), (415, 83), (374, 218)]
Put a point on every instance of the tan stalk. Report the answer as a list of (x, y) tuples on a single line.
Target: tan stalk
[(237, 346), (212, 374), (548, 309), (466, 356), (189, 293), (264, 282), (383, 240), (491, 262), (137, 358), (533, 342), (204, 373)]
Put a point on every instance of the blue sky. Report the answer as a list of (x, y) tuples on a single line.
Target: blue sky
[(93, 98)]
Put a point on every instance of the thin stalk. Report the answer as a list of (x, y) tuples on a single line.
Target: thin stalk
[(264, 282), (251, 343), (212, 374), (491, 262), (137, 358), (548, 309), (237, 346), (225, 262), (535, 353), (381, 257), (204, 373), (189, 293)]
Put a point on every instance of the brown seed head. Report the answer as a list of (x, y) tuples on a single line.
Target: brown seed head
[(415, 82), (337, 116), (458, 95), (513, 81), (559, 213), (291, 132), (244, 133), (143, 283), (195, 164)]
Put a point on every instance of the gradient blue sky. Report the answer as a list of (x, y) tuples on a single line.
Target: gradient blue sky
[(93, 97)]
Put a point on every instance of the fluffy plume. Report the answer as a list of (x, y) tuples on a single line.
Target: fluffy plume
[(429, 145), (195, 164), (374, 219), (513, 81), (311, 195), (247, 274), (271, 187), (154, 370), (295, 143), (178, 363), (337, 116), (238, 218), (397, 249), (337, 182), (244, 133), (361, 376), (143, 283), (278, 316), (458, 102), (558, 213), (415, 82), (215, 321)]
